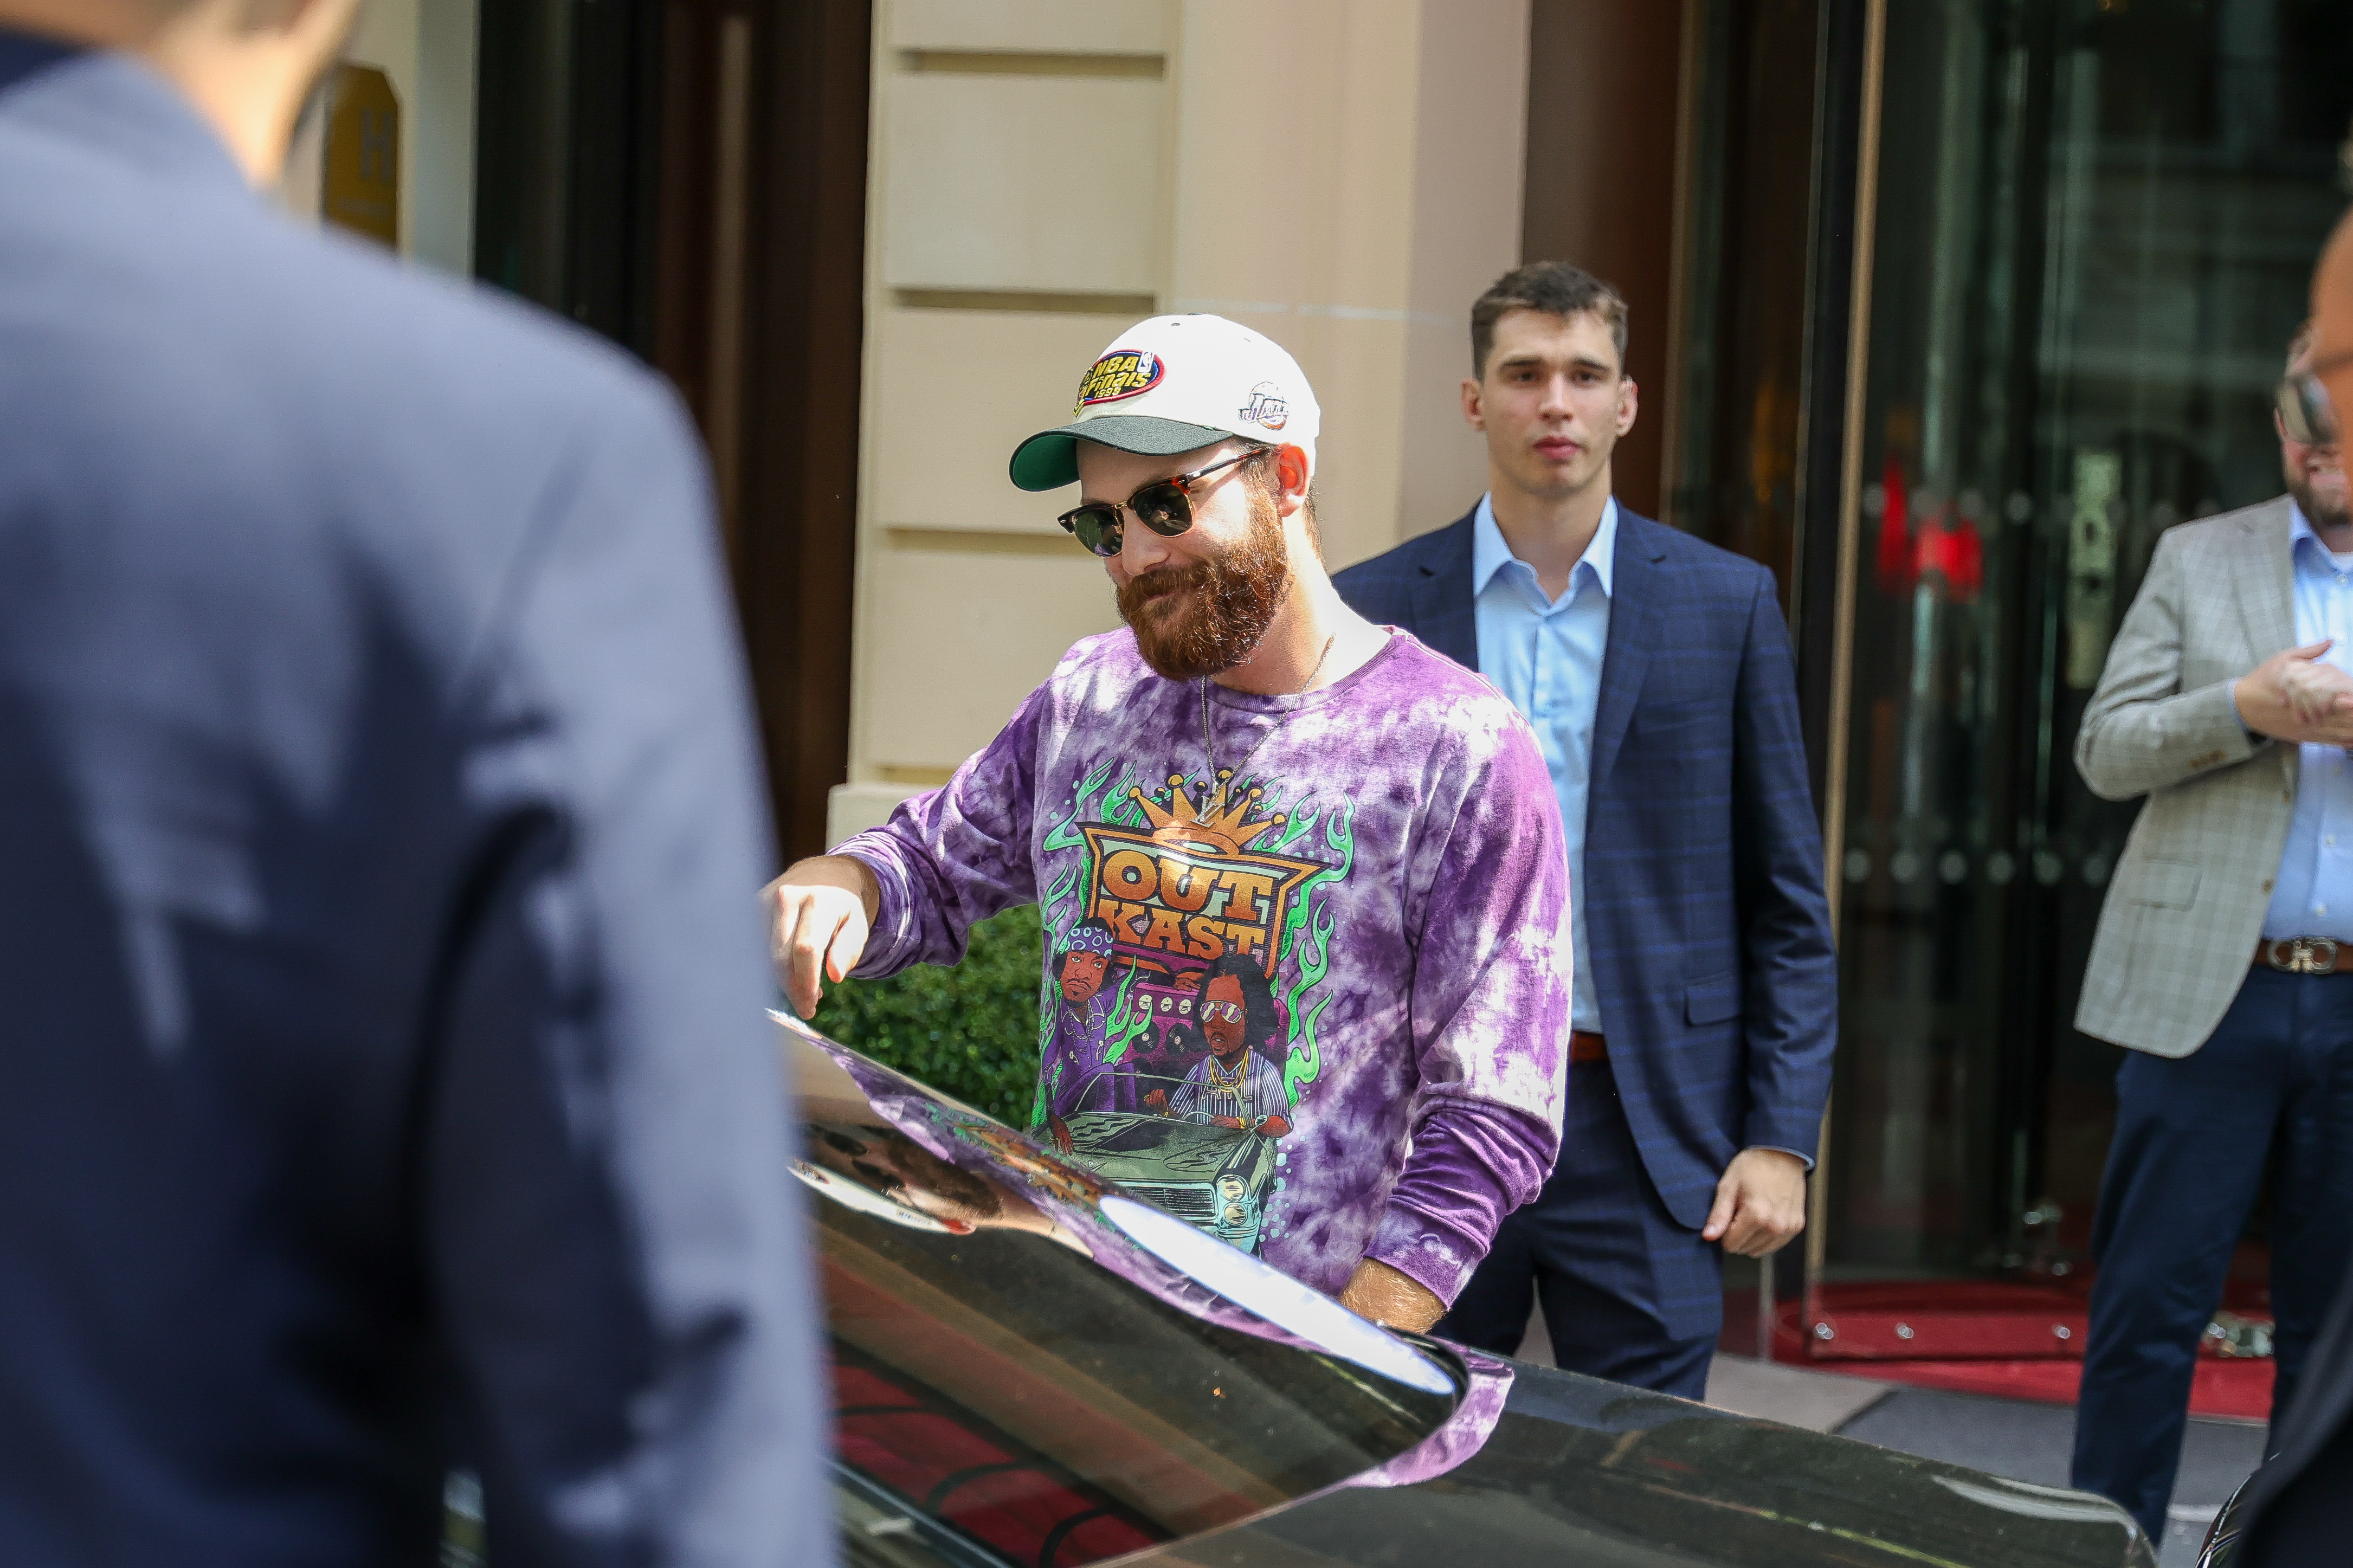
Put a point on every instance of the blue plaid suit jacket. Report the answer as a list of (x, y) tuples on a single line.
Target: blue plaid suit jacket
[(1709, 938)]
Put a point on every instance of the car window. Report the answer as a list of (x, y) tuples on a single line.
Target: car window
[(1006, 1391)]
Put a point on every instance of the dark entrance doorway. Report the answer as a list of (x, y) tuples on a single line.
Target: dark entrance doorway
[(2094, 228), (689, 178)]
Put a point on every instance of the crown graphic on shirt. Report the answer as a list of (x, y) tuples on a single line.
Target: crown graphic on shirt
[(1219, 822)]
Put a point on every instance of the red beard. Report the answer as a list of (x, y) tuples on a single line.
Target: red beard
[(1205, 618)]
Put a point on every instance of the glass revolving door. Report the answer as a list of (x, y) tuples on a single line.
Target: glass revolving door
[(2095, 223)]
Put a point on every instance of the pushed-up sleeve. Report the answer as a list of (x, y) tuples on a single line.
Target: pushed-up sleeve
[(952, 857), (1491, 999)]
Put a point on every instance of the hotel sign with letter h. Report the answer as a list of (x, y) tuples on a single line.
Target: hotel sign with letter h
[(360, 188)]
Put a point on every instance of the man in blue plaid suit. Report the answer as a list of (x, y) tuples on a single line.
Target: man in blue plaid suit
[(1656, 671)]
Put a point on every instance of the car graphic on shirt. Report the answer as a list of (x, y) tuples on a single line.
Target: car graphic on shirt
[(1216, 1178)]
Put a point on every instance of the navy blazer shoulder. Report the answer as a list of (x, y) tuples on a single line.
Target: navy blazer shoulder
[(1424, 583), (1702, 902), (384, 1080)]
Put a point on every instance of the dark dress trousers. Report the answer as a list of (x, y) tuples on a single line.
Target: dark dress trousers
[(1707, 935), (384, 1083), (2268, 1095)]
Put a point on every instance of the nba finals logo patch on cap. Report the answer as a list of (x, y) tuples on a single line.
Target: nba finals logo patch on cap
[(1124, 372), (1173, 385), (1267, 406)]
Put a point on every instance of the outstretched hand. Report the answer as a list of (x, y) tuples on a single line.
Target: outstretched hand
[(1760, 1203), (821, 909)]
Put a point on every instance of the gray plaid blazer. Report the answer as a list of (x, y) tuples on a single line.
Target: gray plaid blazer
[(2178, 929)]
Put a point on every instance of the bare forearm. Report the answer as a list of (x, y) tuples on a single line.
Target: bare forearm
[(1391, 1297)]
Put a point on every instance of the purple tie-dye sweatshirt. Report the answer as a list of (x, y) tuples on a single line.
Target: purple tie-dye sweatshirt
[(1320, 1010)]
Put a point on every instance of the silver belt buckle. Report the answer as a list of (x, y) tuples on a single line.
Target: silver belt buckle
[(2304, 955)]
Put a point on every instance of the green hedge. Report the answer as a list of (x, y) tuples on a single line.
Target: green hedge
[(970, 1031)]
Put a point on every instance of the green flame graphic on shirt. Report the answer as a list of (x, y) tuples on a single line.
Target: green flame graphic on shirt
[(1090, 802), (1122, 1028), (1307, 940)]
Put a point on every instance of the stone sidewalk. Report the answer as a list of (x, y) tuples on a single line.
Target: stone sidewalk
[(2014, 1437)]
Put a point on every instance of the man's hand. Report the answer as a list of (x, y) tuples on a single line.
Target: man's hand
[(1760, 1203), (1387, 1296), (2293, 697), (823, 907)]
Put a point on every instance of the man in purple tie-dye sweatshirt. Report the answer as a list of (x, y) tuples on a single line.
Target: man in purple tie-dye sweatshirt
[(1306, 898)]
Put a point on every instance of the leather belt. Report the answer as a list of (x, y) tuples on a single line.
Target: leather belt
[(1586, 1047), (2301, 955)]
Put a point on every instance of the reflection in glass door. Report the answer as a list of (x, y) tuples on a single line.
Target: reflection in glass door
[(2096, 222)]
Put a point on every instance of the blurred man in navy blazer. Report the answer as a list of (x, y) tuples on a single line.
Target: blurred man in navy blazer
[(384, 1084), (1656, 671)]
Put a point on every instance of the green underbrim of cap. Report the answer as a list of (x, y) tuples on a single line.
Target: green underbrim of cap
[(1050, 460)]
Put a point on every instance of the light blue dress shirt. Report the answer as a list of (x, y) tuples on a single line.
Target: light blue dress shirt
[(2313, 894), (1545, 656)]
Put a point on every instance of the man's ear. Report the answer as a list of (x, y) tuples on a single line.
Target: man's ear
[(1291, 476), (1475, 411), (1629, 403)]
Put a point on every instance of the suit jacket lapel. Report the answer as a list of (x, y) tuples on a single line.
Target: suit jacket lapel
[(2266, 580), (1444, 614), (1636, 585)]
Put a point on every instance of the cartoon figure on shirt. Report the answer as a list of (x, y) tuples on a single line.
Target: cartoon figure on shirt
[(1079, 1068), (1236, 1086), (1174, 1064), (1085, 1015)]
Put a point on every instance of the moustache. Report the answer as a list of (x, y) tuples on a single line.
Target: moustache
[(1182, 584)]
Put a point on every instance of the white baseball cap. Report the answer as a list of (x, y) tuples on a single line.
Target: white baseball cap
[(1177, 384)]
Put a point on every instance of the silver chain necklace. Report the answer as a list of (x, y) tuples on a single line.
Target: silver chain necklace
[(1208, 752)]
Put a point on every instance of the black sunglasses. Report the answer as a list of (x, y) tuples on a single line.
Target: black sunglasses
[(1164, 506), (2304, 411)]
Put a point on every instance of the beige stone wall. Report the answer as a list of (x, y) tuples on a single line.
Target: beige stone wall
[(1344, 175), (427, 48)]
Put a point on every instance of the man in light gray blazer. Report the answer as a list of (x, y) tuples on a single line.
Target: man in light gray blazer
[(2224, 955)]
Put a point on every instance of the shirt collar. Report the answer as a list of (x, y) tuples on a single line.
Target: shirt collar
[(1489, 550), (2300, 530)]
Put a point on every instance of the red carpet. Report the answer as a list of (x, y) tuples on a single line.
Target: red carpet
[(2014, 1341), (2237, 1389)]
